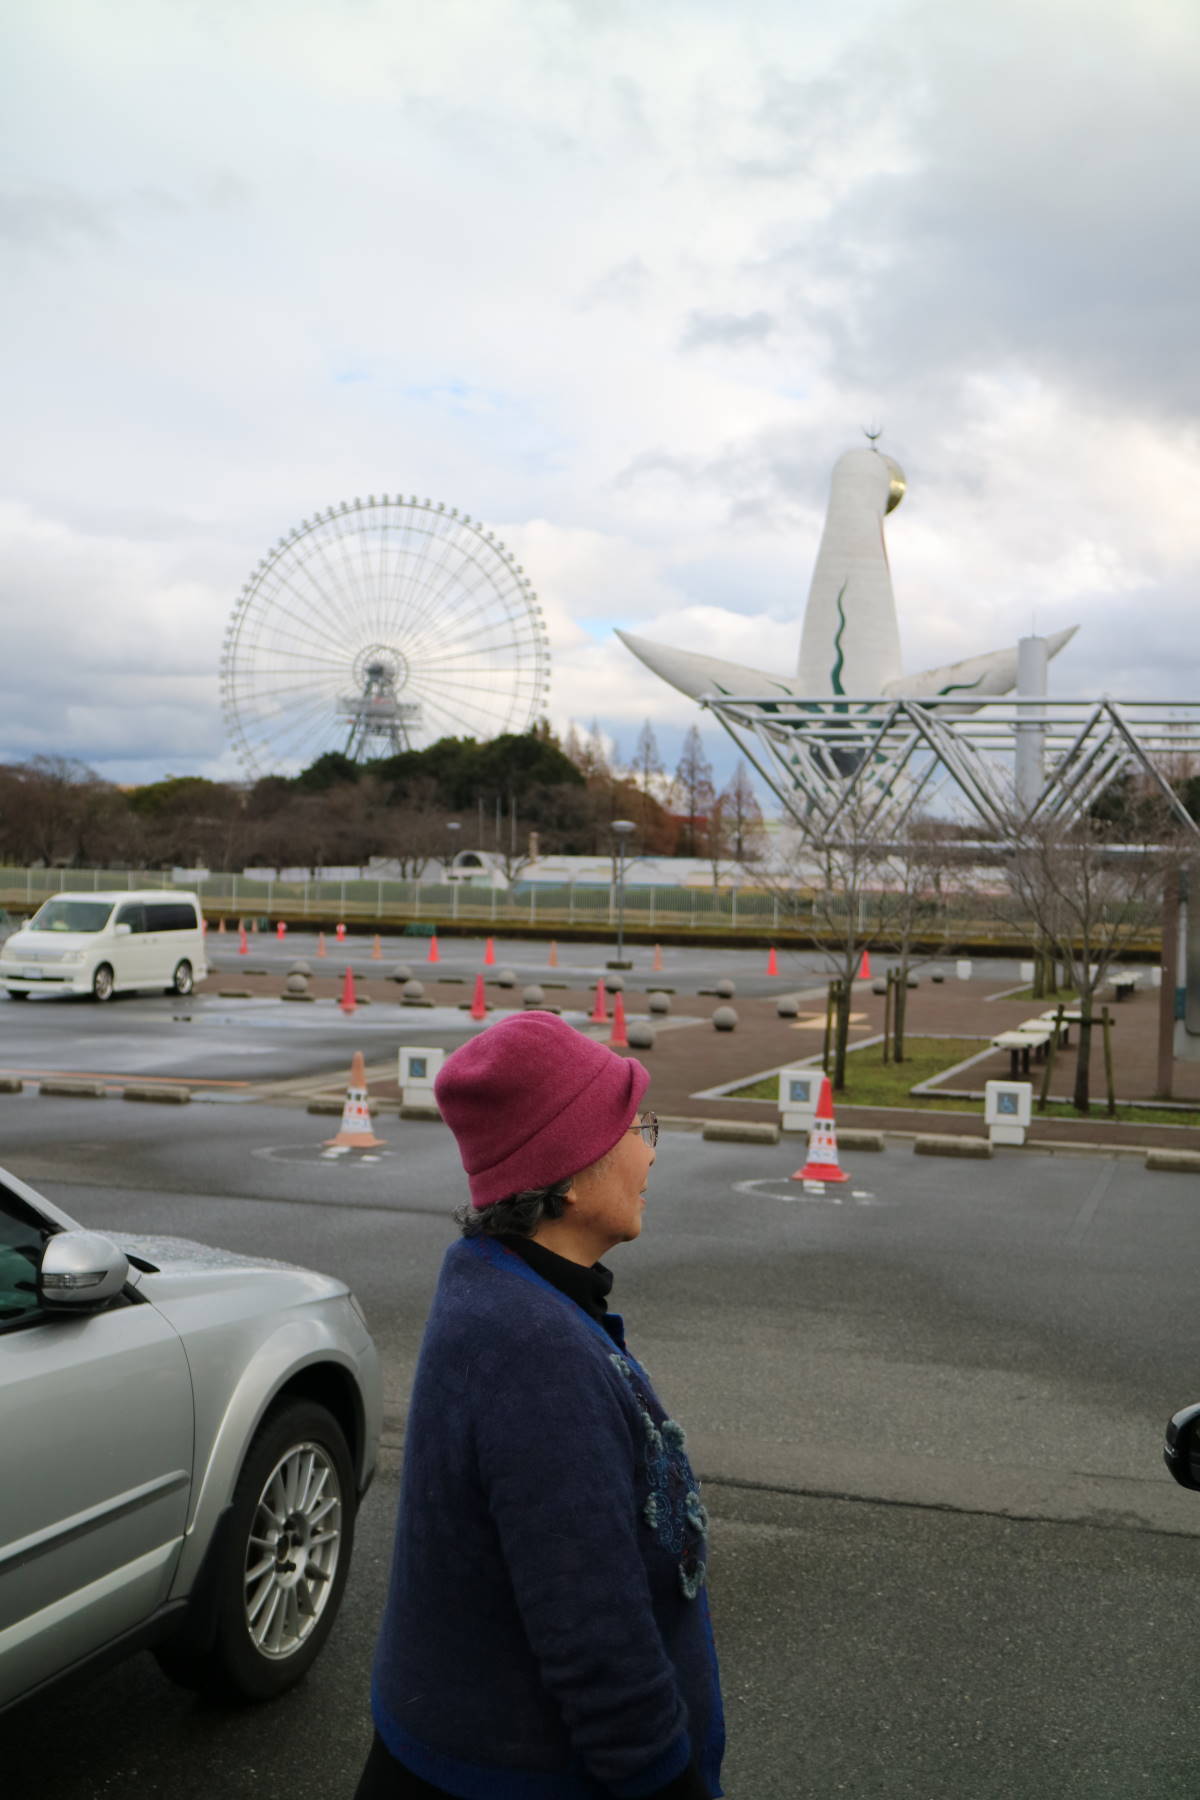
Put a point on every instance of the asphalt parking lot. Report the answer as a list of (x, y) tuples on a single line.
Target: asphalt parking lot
[(928, 1409)]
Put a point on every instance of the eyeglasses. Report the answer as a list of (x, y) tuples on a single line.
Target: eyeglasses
[(648, 1126)]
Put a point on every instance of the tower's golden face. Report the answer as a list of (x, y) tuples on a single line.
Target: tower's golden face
[(897, 486)]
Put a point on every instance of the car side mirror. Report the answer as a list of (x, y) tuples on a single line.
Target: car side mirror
[(81, 1269), (122, 930), (1181, 1451)]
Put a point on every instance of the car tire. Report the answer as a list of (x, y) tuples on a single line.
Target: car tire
[(18, 993), (266, 1635), (103, 983), (182, 981)]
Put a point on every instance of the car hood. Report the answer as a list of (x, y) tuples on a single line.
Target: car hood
[(183, 1266), (38, 943)]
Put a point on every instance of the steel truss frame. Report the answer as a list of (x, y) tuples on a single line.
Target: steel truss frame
[(846, 768)]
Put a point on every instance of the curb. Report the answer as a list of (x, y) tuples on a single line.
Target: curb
[(11, 1084), (935, 1144), (738, 1131), (74, 1090), (159, 1095), (1182, 1162)]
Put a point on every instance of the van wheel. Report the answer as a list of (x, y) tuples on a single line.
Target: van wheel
[(102, 983), (18, 993), (182, 981)]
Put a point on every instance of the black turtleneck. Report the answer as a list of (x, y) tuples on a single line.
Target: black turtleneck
[(589, 1288)]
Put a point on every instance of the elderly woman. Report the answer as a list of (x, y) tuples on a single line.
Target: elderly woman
[(546, 1634)]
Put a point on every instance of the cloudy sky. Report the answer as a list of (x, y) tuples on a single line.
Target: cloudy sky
[(621, 281)]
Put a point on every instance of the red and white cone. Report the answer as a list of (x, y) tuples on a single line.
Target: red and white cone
[(377, 949), (321, 950), (243, 942), (281, 930), (254, 927), (772, 962), (658, 962), (552, 959), (600, 1010), (864, 967), (341, 932), (479, 1000), (489, 953), (355, 1132), (619, 1037), (348, 1003), (435, 954), (203, 927), (822, 1164), (221, 924)]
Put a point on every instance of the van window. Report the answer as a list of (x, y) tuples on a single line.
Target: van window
[(71, 915), (171, 915), (133, 914)]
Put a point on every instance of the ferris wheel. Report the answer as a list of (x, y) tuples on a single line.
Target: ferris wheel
[(376, 626)]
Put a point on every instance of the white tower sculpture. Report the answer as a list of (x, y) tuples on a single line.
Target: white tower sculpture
[(850, 640)]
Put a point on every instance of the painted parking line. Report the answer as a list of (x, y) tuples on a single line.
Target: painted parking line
[(816, 1193)]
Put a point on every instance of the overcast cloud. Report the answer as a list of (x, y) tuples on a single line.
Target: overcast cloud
[(622, 283)]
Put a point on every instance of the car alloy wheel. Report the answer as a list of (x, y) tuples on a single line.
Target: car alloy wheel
[(183, 980), (292, 1555), (102, 983)]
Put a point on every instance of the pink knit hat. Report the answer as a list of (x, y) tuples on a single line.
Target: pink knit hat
[(531, 1100)]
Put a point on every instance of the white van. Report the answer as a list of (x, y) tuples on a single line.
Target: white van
[(101, 943)]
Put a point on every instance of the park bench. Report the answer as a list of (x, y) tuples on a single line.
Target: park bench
[(1123, 984), (1021, 1044)]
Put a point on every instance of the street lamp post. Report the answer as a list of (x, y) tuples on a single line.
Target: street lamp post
[(622, 830)]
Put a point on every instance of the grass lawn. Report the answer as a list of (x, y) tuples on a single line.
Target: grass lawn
[(871, 1082)]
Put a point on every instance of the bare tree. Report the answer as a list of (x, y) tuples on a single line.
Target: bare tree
[(743, 816), (1088, 891), (694, 790)]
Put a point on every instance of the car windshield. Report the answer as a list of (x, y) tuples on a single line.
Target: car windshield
[(71, 915)]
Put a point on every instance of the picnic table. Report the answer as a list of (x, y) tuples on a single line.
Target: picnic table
[(1123, 984), (1022, 1043)]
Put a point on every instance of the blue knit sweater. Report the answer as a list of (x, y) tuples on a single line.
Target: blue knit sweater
[(546, 1634)]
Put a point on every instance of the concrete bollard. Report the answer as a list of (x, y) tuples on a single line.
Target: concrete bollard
[(641, 1035), (937, 1144), (725, 989), (725, 1019), (787, 1006), (659, 1002)]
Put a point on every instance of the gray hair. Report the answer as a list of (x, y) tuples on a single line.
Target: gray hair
[(517, 1216)]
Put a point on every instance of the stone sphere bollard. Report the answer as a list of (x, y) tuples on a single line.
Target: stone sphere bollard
[(913, 981), (938, 975), (401, 973), (614, 984), (787, 1006), (725, 989), (297, 981), (506, 978), (724, 1019), (533, 996), (659, 1003), (641, 1034), (300, 968), (413, 990), (879, 987)]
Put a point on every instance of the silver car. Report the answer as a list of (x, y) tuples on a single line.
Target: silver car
[(185, 1436)]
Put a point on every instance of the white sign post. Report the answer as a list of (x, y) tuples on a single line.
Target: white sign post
[(418, 1070), (1008, 1110), (799, 1091)]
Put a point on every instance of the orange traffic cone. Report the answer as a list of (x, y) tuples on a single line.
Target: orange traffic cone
[(341, 932), (281, 930), (254, 927), (552, 959), (489, 953), (822, 1164), (321, 951), (772, 962), (243, 943), (347, 1002), (658, 962), (479, 1002), (203, 927), (600, 1010), (618, 1037), (864, 967), (221, 925), (435, 954), (376, 949), (355, 1132)]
